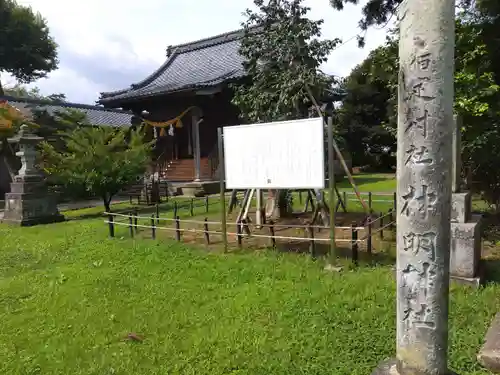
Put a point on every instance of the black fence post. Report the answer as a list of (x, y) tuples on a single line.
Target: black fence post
[(381, 231), (354, 244), (394, 200), (153, 227), (300, 196), (206, 204), (111, 225), (157, 214), (312, 243), (271, 232), (191, 207), (370, 201), (177, 228), (369, 246), (238, 235), (175, 209), (344, 195), (391, 219), (130, 225), (136, 213), (205, 228)]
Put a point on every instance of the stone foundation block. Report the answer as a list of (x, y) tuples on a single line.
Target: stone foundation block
[(465, 251), (389, 367), (31, 209), (200, 189), (489, 355), (460, 207)]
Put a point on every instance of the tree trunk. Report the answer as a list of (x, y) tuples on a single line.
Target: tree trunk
[(107, 203), (277, 204)]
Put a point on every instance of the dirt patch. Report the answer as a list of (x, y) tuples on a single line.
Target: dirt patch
[(291, 234)]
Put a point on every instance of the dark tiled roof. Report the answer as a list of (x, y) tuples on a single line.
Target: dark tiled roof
[(204, 63), (95, 115)]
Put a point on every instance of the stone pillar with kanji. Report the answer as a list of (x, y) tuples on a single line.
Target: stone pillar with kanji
[(29, 201), (424, 179)]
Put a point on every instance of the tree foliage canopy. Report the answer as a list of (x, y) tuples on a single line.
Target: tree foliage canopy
[(372, 91), (103, 160), (282, 53), (27, 50), (23, 92)]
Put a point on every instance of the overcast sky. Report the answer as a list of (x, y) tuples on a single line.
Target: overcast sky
[(106, 45)]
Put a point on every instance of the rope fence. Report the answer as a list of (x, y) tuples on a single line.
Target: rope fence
[(371, 227)]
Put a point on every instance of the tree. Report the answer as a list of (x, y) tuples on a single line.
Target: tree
[(27, 51), (99, 159), (477, 92), (46, 125), (381, 12), (283, 53), (366, 116), (22, 92)]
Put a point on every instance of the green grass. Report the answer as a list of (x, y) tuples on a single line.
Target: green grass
[(69, 295)]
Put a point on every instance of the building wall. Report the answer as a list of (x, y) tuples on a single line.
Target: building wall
[(217, 111)]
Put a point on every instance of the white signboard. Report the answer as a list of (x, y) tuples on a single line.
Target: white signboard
[(276, 155)]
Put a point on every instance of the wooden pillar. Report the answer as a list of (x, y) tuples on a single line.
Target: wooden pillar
[(196, 119)]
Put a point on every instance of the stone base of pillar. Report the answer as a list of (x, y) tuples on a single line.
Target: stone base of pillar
[(388, 367), (465, 249), (29, 203)]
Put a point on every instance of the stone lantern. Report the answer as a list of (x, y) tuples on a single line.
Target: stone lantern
[(29, 202)]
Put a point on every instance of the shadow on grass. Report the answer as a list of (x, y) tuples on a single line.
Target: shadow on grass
[(343, 253)]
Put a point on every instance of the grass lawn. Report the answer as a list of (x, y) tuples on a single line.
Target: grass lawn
[(69, 297)]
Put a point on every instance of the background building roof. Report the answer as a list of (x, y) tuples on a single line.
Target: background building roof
[(200, 64), (95, 115)]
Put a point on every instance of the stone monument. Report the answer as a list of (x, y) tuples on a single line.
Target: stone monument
[(424, 174), (29, 202), (465, 252)]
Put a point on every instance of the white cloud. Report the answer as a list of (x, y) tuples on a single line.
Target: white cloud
[(107, 45)]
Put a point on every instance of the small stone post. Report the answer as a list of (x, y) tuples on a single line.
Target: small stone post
[(457, 155), (424, 174), (29, 202)]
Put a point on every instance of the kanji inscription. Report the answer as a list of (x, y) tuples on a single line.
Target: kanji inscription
[(421, 202), (417, 282), (418, 243), (418, 155), (424, 61)]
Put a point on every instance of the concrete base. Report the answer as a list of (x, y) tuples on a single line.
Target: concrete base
[(29, 203), (474, 282), (34, 221), (465, 250), (388, 367), (200, 189), (489, 355)]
